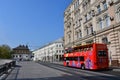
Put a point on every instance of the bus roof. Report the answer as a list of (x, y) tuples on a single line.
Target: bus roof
[(85, 46)]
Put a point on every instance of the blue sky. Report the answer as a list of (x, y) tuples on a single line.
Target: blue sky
[(32, 22)]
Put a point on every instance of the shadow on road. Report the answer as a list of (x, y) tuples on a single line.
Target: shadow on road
[(18, 66)]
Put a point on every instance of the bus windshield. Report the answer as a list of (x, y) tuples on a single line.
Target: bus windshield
[(102, 53)]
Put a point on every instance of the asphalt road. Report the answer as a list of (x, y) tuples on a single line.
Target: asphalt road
[(49, 71)]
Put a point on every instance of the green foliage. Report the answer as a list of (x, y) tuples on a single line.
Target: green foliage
[(5, 52)]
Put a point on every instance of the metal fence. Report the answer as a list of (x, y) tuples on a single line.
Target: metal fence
[(5, 66)]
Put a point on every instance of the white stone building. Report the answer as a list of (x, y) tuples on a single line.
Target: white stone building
[(51, 52)]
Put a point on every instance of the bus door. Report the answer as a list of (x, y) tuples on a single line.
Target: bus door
[(102, 59)]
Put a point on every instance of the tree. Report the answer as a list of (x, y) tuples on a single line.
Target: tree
[(5, 52)]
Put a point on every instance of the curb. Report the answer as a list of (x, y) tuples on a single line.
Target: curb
[(4, 75), (118, 70)]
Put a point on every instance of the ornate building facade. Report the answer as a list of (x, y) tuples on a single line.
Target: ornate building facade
[(21, 53), (88, 21)]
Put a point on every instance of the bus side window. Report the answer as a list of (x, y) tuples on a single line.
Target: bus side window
[(81, 58), (67, 58), (76, 58), (70, 58)]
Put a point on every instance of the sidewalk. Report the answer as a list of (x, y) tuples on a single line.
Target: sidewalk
[(4, 61), (60, 63), (115, 68), (6, 66)]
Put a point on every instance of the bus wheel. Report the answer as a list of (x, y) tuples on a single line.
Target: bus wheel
[(83, 67)]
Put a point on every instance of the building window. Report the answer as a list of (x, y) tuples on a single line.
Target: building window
[(85, 18), (62, 45), (62, 51), (76, 4), (77, 34), (56, 45), (79, 22), (99, 9), (69, 38), (105, 5), (100, 23), (118, 14), (59, 45), (90, 15), (91, 30), (86, 30), (105, 40), (56, 51), (107, 20), (80, 33), (59, 51), (86, 4)]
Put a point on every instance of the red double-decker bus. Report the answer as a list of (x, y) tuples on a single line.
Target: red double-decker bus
[(92, 56)]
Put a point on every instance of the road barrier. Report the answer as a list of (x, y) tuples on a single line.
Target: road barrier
[(5, 65)]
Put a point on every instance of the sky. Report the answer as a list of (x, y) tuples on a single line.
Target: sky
[(31, 22)]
